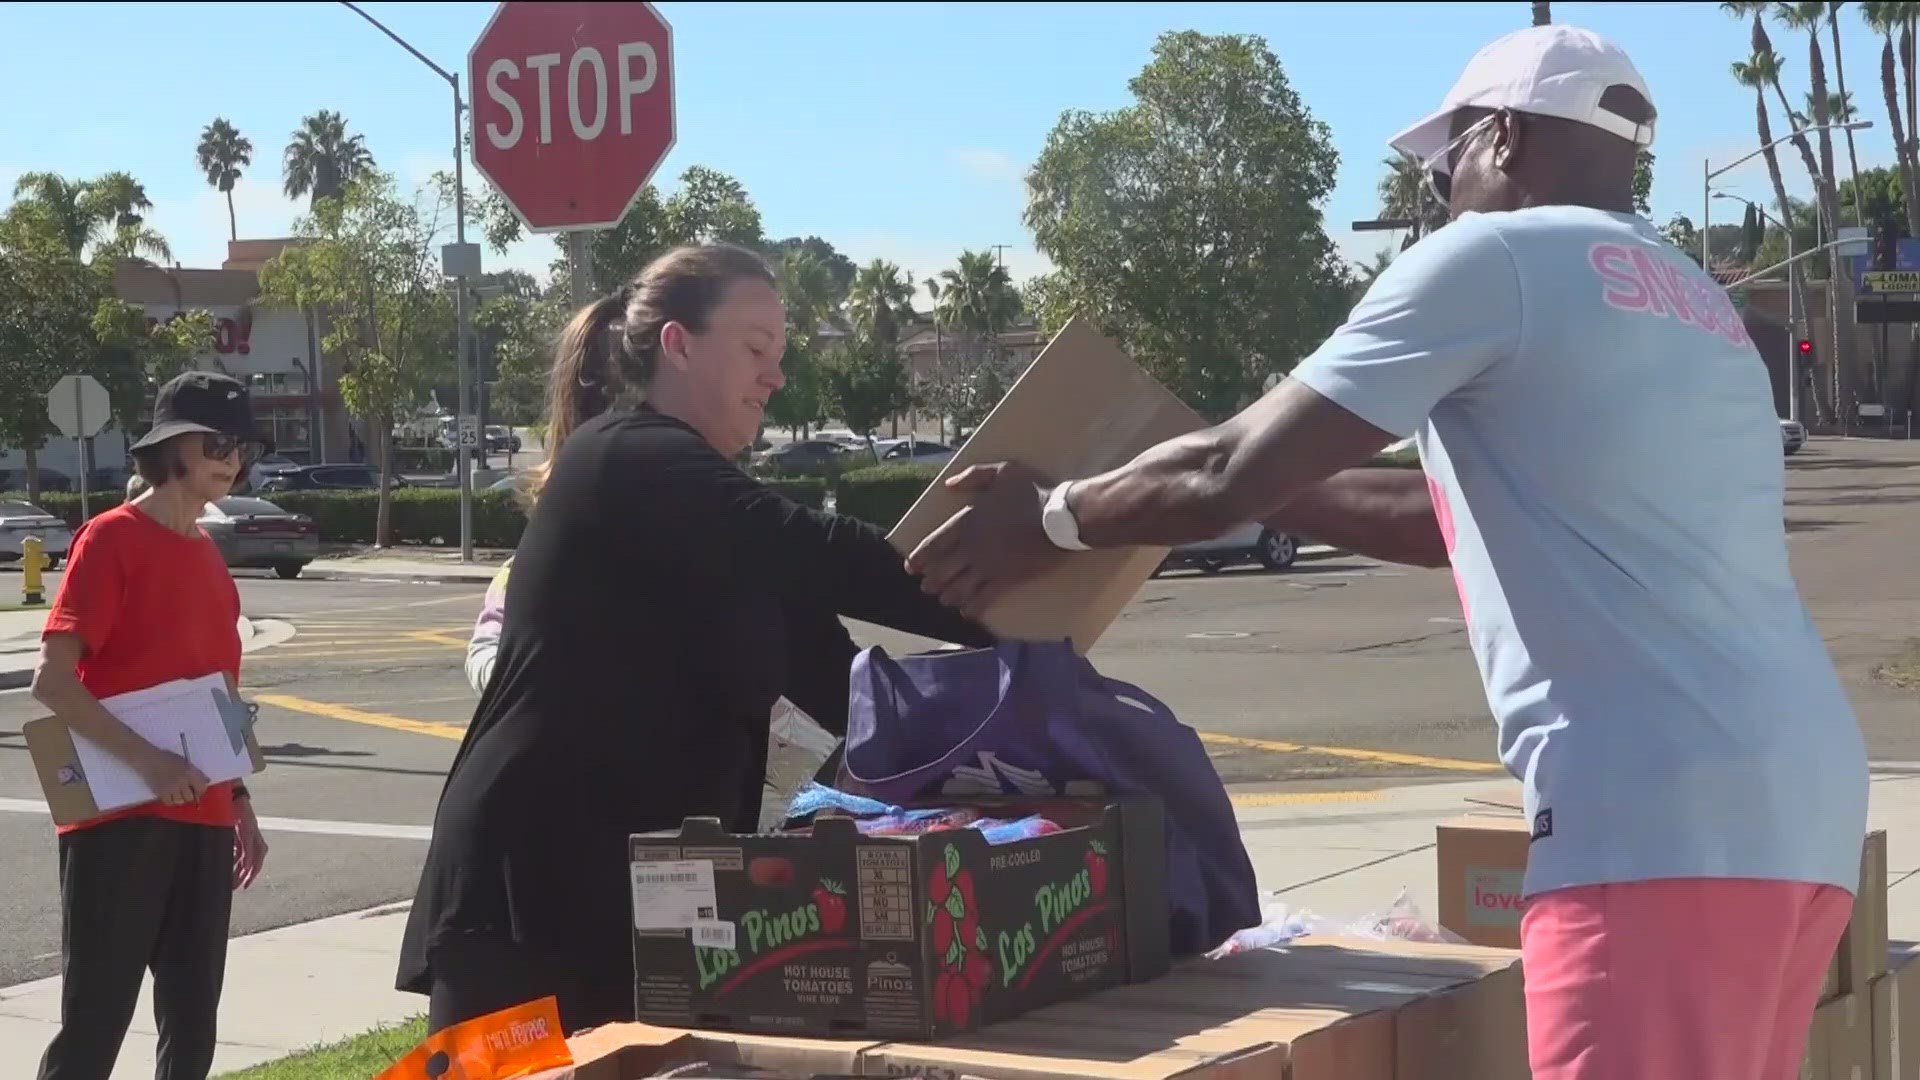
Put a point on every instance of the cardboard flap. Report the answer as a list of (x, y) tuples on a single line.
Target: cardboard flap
[(1081, 408)]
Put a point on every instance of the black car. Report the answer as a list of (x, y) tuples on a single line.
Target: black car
[(345, 477), (500, 439)]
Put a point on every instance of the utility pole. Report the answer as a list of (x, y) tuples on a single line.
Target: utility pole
[(1000, 254)]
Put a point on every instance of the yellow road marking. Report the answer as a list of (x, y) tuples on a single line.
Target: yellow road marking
[(1300, 798), (439, 638), (1384, 757), (361, 716)]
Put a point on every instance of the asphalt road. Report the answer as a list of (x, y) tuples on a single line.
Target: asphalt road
[(1332, 677)]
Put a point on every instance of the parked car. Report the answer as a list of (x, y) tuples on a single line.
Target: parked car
[(919, 451), (1793, 436), (254, 534), (346, 477), (800, 455), (50, 480), (1246, 544), (19, 520), (501, 440)]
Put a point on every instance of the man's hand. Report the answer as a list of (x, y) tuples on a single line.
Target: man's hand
[(991, 545), (249, 847)]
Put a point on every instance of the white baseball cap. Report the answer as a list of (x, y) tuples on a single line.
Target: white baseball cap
[(1552, 70)]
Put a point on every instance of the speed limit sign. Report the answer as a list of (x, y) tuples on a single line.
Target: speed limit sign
[(469, 431)]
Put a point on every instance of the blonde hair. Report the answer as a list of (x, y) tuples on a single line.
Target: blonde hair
[(609, 349)]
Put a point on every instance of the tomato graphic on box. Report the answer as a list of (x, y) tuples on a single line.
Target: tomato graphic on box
[(958, 941)]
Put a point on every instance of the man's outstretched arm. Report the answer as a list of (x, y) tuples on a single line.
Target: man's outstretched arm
[(1383, 514)]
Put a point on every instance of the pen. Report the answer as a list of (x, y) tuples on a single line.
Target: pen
[(184, 756)]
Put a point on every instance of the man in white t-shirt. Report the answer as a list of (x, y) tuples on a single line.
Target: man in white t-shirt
[(1602, 469)]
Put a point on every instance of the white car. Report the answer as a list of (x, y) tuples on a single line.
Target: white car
[(19, 520), (1248, 543), (1793, 435)]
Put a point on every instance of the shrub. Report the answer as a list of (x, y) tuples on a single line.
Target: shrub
[(66, 504), (419, 515), (882, 494), (805, 490)]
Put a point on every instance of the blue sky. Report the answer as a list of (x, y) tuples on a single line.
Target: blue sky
[(893, 130)]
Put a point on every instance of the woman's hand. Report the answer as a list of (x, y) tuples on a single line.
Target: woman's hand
[(249, 847), (173, 779)]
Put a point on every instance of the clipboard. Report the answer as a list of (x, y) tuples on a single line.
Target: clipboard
[(57, 764), (1081, 408)]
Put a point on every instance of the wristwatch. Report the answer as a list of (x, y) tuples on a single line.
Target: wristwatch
[(1056, 517)]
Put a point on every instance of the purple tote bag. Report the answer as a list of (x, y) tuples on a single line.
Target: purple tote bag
[(1035, 718)]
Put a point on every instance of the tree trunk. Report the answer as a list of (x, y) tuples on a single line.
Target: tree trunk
[(33, 473), (383, 515), (1542, 13), (1840, 80), (233, 223)]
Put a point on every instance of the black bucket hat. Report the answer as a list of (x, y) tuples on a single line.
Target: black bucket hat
[(203, 401)]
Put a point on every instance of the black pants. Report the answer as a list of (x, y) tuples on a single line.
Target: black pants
[(137, 894), (477, 974)]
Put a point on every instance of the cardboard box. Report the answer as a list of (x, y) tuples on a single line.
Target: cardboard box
[(832, 932), (1325, 1009), (1863, 948), (1081, 408), (1813, 1060), (1846, 1027), (1483, 866)]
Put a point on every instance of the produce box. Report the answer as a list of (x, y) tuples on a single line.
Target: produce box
[(830, 931)]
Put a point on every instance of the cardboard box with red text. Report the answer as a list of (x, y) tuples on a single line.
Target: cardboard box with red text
[(1483, 866), (833, 932)]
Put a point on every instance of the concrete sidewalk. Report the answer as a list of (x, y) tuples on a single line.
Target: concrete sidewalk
[(1347, 855), (20, 643)]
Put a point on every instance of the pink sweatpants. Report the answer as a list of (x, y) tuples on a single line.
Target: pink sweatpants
[(1686, 979)]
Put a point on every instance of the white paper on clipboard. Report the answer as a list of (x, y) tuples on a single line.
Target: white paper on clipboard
[(181, 717)]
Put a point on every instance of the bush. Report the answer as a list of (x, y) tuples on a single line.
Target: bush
[(419, 515), (66, 504), (882, 494)]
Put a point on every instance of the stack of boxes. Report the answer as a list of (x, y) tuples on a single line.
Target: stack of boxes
[(1867, 1025)]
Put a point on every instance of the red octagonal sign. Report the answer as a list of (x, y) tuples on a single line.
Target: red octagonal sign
[(572, 108)]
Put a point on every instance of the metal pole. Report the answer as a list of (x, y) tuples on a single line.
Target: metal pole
[(1706, 213), (461, 359), (1793, 354), (80, 417), (580, 266)]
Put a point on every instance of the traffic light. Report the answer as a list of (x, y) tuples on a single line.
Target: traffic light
[(1806, 349)]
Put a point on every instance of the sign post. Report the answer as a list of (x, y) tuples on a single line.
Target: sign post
[(572, 114), (79, 407)]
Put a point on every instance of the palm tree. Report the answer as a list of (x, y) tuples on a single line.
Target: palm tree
[(1405, 193), (322, 159), (1542, 13), (1758, 72), (1888, 18), (134, 243), (1846, 111), (119, 199), (223, 152), (881, 301), (66, 203), (1809, 16), (807, 289), (977, 296)]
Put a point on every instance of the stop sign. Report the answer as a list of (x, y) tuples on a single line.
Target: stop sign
[(572, 108)]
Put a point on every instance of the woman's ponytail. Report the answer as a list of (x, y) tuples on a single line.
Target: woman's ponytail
[(585, 377)]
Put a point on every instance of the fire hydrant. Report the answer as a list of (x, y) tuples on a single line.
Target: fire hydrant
[(32, 561)]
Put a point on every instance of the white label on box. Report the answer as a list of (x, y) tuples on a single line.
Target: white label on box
[(713, 934), (673, 895), (1493, 896)]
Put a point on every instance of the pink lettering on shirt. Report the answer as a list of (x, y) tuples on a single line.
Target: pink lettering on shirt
[(1646, 281), (1443, 513)]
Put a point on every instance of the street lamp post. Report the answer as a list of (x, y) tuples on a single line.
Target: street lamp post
[(1708, 172), (1793, 376), (462, 262)]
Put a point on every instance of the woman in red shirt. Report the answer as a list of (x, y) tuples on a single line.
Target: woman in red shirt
[(147, 599)]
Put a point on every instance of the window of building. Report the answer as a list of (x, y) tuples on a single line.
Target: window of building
[(288, 425)]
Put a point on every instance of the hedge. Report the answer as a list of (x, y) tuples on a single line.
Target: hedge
[(882, 494)]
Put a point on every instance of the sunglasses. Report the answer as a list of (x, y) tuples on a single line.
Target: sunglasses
[(1437, 169), (219, 445)]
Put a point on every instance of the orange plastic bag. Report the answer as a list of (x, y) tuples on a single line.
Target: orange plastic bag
[(506, 1045)]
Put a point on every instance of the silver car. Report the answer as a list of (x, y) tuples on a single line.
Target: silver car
[(19, 520), (1793, 436), (1247, 544), (255, 534)]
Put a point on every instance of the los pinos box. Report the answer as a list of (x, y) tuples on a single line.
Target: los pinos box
[(830, 931)]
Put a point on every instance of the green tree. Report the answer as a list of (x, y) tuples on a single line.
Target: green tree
[(1189, 223), (1643, 181), (517, 331), (322, 159), (47, 300), (223, 154), (65, 205), (974, 303), (881, 302), (799, 404), (840, 268), (863, 382), (1405, 193), (371, 262)]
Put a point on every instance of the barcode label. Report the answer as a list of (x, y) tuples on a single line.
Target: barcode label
[(672, 895), (713, 935), (644, 878)]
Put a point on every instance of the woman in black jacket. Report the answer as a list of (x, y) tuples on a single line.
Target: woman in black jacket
[(661, 600)]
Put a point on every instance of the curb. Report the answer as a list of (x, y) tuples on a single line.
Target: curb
[(477, 574)]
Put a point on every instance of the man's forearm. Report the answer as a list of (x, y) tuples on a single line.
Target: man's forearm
[(1383, 514)]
